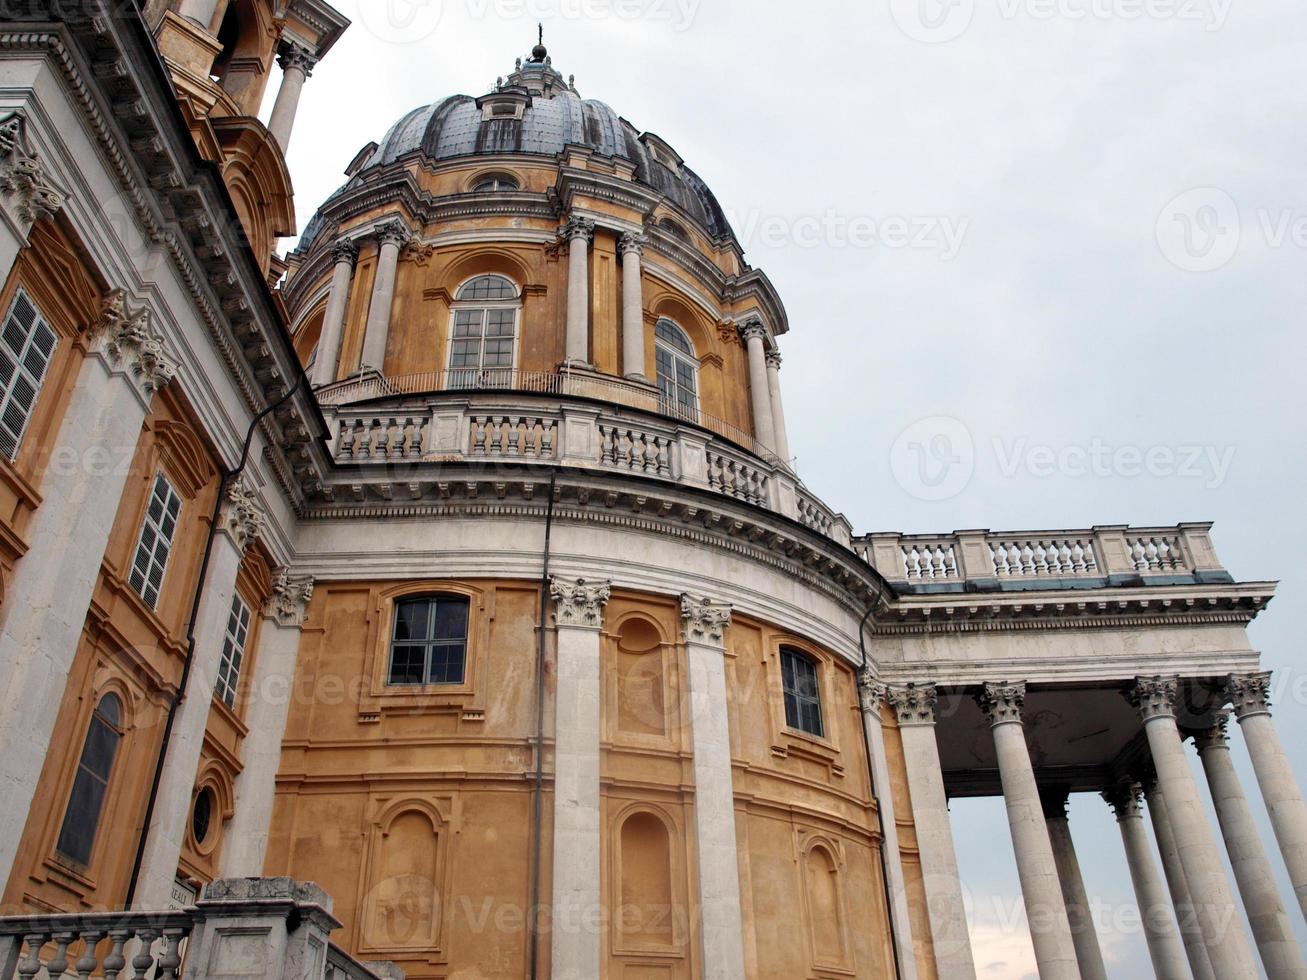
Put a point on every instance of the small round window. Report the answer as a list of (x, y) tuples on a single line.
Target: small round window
[(202, 816)]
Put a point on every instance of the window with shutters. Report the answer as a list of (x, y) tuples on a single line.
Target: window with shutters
[(26, 345), (233, 650), (91, 784), (155, 544)]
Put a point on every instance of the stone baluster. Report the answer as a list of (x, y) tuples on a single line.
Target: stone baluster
[(1271, 929), (345, 254), (1050, 930), (577, 895), (1250, 696), (633, 348), (391, 236), (1213, 901), (579, 233), (1160, 933), (914, 705), (297, 63), (1089, 954), (782, 437), (755, 337)]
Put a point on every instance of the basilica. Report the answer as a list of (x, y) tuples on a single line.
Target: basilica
[(439, 599)]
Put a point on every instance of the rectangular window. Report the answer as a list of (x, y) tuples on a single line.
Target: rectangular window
[(429, 645), (155, 543), (26, 346), (91, 784), (233, 650), (802, 695)]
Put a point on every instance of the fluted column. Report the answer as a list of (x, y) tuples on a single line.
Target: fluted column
[(871, 694), (1050, 931), (633, 352), (782, 436), (345, 253), (1272, 931), (1191, 933), (297, 64), (579, 232), (1089, 955), (1163, 938), (721, 927), (1250, 696), (577, 896), (391, 236), (914, 705), (755, 336), (270, 688), (1213, 900)]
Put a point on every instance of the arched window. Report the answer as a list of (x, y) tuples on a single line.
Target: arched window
[(91, 784), (495, 182), (802, 693), (429, 643), (484, 337), (678, 371), (673, 229)]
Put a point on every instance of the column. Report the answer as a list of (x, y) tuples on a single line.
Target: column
[(755, 335), (1160, 932), (239, 525), (721, 927), (270, 689), (871, 694), (1214, 904), (198, 11), (1272, 931), (633, 353), (579, 232), (577, 900), (1089, 955), (1250, 696), (777, 409), (391, 237), (345, 253), (915, 706), (1050, 930), (296, 63), (49, 594), (1191, 934)]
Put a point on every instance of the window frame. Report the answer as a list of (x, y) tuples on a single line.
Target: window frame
[(118, 731), (481, 375), (152, 525), (429, 642), (478, 185), (21, 370), (235, 651), (795, 723), (670, 404)]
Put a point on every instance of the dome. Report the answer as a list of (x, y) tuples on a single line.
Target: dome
[(542, 115)]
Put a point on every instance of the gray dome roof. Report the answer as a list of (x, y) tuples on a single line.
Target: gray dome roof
[(555, 117)]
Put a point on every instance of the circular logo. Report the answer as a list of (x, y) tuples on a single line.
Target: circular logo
[(934, 459), (401, 21), (1198, 231), (933, 21)]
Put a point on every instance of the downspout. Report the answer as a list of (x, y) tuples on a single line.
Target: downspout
[(537, 803), (880, 815), (224, 483)]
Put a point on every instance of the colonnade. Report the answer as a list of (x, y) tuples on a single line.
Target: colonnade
[(1196, 932)]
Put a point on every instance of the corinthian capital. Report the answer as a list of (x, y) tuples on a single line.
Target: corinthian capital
[(22, 175), (1002, 703), (578, 602), (242, 514), (289, 602), (578, 228), (914, 704), (1155, 697), (345, 250), (1249, 694), (753, 330), (871, 692), (632, 244), (296, 56), (774, 359), (1125, 799), (1214, 737), (393, 232), (128, 338), (705, 621)]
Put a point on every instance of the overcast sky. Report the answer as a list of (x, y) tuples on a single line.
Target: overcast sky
[(1065, 229)]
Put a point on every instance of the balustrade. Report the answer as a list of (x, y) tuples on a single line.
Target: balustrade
[(133, 945), (527, 436), (380, 438), (627, 447), (737, 478)]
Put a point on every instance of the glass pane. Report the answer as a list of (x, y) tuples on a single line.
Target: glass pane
[(669, 332), (407, 665), (412, 620), (791, 710), (488, 287), (77, 835), (451, 620), (447, 663)]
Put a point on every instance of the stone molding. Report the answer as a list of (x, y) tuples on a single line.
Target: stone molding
[(289, 602), (344, 250), (871, 691), (913, 703), (1002, 702), (704, 621), (1249, 694), (578, 602), (632, 244), (296, 56), (23, 176), (1126, 800), (242, 515), (1155, 697), (129, 339), (576, 228)]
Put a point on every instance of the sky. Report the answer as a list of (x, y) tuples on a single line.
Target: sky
[(1065, 237)]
